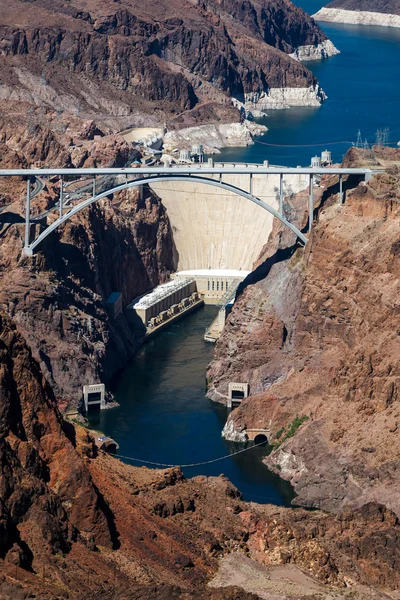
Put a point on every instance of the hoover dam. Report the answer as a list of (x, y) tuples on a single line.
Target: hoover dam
[(216, 229)]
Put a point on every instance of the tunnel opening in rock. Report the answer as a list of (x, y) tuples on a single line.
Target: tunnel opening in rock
[(260, 439)]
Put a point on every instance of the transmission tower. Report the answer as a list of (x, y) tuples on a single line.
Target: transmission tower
[(359, 142), (369, 152), (385, 136)]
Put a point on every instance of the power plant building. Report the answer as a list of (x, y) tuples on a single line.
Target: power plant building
[(162, 299)]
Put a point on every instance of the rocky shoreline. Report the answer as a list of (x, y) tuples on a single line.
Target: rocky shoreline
[(357, 17), (321, 51), (214, 137)]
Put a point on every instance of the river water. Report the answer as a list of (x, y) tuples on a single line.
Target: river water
[(164, 415)]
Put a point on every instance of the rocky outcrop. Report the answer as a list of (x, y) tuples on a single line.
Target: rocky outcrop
[(129, 63), (281, 24), (287, 97), (214, 137), (48, 498), (366, 12), (321, 51), (321, 362)]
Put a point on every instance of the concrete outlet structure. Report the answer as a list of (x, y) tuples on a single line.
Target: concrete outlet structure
[(237, 392), (94, 395), (114, 305), (213, 284), (258, 436)]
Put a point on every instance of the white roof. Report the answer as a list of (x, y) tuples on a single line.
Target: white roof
[(160, 292)]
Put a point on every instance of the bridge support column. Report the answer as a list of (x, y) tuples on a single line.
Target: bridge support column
[(61, 196), (251, 184), (341, 197), (281, 194), (311, 203), (94, 186), (27, 250)]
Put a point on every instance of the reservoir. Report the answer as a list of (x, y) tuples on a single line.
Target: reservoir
[(164, 416), (363, 88)]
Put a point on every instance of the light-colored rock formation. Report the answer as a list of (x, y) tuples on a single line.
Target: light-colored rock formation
[(355, 17), (214, 136), (323, 50), (278, 98), (232, 435)]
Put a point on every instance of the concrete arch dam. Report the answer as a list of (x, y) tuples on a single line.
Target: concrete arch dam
[(214, 228)]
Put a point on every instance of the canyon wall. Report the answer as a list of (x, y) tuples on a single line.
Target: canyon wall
[(317, 341), (76, 523), (57, 297)]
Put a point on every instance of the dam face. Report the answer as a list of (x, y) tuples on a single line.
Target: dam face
[(217, 229)]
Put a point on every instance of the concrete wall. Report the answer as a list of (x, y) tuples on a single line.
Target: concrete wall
[(214, 284), (217, 229)]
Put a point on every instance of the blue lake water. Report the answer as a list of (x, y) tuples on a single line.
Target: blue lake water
[(164, 415), (363, 88)]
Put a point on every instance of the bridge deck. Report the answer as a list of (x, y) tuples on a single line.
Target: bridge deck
[(256, 170)]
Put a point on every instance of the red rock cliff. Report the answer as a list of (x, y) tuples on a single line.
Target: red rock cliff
[(150, 61), (75, 523), (318, 338)]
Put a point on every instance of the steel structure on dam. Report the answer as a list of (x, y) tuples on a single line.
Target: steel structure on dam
[(247, 186)]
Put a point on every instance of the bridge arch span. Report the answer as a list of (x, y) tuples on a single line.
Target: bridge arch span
[(160, 178)]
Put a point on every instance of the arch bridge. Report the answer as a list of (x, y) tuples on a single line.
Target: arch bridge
[(137, 177)]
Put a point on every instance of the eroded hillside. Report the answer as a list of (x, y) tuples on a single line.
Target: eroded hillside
[(132, 63), (78, 524), (318, 341)]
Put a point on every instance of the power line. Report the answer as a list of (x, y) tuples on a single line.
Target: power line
[(199, 464), (381, 139), (303, 145)]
